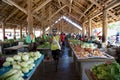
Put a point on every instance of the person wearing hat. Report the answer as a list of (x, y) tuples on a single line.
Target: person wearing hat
[(55, 46)]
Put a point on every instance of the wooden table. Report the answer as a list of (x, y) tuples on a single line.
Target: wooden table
[(15, 48)]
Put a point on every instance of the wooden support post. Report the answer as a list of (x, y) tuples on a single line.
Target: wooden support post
[(34, 30), (62, 26), (51, 28), (30, 17), (15, 33), (40, 32), (3, 29), (26, 30), (104, 27), (43, 30), (20, 31), (43, 22), (83, 30), (50, 12), (89, 28)]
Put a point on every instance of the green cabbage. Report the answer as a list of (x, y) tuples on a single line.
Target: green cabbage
[(9, 59), (24, 64), (25, 57), (6, 64), (25, 70), (16, 66), (17, 58)]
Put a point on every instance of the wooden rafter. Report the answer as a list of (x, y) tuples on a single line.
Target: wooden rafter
[(75, 18), (86, 11), (79, 4), (22, 9), (59, 3), (16, 5), (108, 7), (41, 6), (11, 15), (115, 3), (56, 12), (77, 10)]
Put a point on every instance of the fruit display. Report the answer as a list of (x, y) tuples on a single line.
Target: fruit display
[(21, 64), (107, 71)]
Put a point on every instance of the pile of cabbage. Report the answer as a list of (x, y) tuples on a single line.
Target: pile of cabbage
[(23, 61)]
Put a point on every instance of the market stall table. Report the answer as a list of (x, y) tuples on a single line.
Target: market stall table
[(90, 75), (45, 51), (81, 64), (15, 48)]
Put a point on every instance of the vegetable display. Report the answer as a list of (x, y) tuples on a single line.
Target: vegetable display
[(13, 74), (107, 71), (44, 45), (21, 63)]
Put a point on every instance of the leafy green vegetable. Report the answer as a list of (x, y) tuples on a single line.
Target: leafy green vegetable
[(107, 71)]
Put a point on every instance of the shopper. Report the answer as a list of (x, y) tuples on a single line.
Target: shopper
[(33, 45), (55, 46), (28, 41), (62, 38)]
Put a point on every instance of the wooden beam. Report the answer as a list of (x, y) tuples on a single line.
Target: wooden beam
[(30, 17), (77, 10), (86, 11), (79, 4), (104, 26), (41, 6), (74, 17), (23, 10), (56, 12), (108, 7), (14, 33), (116, 3), (11, 15), (89, 27), (43, 22), (17, 6), (59, 3), (3, 30)]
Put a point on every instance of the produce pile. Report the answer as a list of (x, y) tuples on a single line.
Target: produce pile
[(21, 63), (107, 71), (86, 50), (13, 74)]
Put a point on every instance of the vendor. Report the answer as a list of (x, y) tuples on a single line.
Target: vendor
[(55, 46)]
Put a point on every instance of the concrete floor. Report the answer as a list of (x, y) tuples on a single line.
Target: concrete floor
[(66, 70)]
